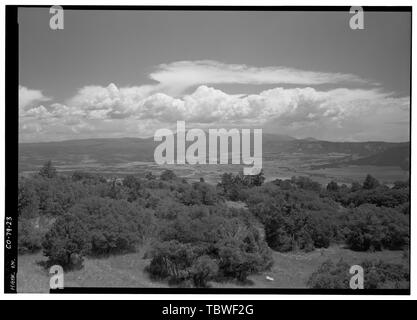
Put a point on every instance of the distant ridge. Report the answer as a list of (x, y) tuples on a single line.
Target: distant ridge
[(267, 136), (396, 156), (310, 139), (277, 137), (87, 140), (128, 149)]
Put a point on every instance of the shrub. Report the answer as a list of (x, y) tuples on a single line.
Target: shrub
[(205, 243), (30, 238), (330, 276), (167, 175), (374, 228), (113, 226), (382, 275), (65, 243), (381, 196), (27, 199), (48, 170), (355, 186), (377, 275), (203, 270), (370, 182), (198, 193), (134, 186), (238, 263), (401, 184), (87, 178), (132, 182), (173, 260), (149, 176), (293, 219), (234, 187), (306, 183), (332, 186)]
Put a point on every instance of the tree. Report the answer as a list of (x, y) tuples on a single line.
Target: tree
[(173, 260), (369, 227), (149, 176), (198, 193), (253, 180), (381, 196), (382, 275), (87, 177), (65, 243), (27, 199), (356, 186), (238, 263), (203, 270), (167, 175), (330, 276), (48, 170), (401, 184), (30, 238), (207, 242), (370, 182), (113, 226), (332, 186), (306, 183), (293, 218), (235, 187), (132, 182), (134, 186)]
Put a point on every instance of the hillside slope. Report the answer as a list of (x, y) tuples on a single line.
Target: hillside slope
[(396, 156)]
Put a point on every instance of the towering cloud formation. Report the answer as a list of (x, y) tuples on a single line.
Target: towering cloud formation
[(341, 113), (178, 76)]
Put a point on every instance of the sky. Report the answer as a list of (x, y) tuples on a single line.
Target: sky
[(129, 73)]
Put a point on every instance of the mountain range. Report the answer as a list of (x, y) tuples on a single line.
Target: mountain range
[(120, 150)]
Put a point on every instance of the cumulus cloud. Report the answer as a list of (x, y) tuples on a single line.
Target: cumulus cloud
[(337, 114), (101, 102), (332, 114), (177, 76), (29, 97)]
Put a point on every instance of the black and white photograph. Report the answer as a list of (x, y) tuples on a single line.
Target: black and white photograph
[(208, 149)]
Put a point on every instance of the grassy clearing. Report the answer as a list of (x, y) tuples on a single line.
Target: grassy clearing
[(115, 271), (290, 270)]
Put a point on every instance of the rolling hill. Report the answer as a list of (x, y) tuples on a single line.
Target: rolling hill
[(124, 150), (396, 156)]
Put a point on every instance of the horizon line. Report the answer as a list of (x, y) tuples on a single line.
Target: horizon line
[(311, 139)]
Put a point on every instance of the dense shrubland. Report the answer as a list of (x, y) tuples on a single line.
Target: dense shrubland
[(207, 243), (301, 214), (294, 218), (377, 275), (193, 236), (369, 227)]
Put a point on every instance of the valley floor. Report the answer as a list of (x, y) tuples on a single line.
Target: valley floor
[(290, 270)]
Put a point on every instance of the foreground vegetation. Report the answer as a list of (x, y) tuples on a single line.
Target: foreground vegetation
[(194, 237), (289, 269)]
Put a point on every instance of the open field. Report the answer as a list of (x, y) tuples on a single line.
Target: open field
[(290, 270), (276, 169), (322, 161)]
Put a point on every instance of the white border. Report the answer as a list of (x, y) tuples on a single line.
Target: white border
[(205, 296)]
